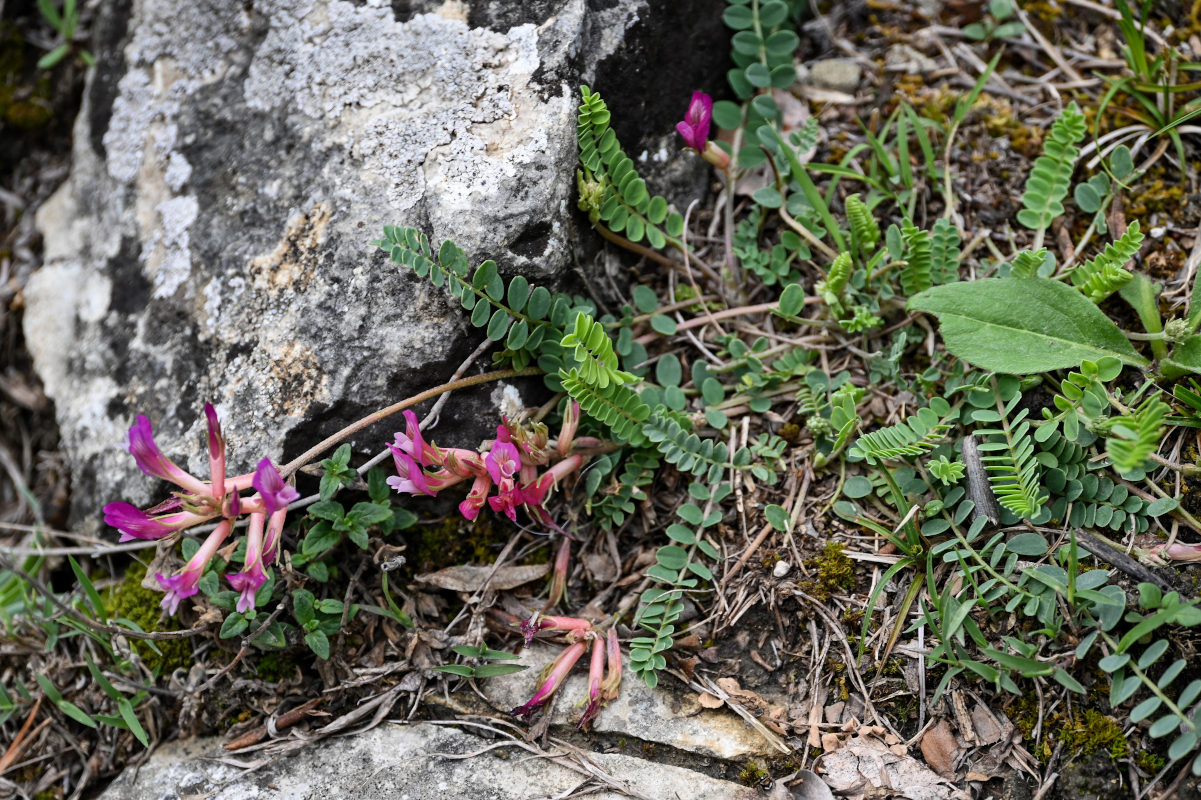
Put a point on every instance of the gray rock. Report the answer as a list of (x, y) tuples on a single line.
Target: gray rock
[(233, 161), (835, 74), (405, 762), (903, 58), (663, 714)]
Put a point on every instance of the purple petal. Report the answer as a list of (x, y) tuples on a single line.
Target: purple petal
[(270, 484), (133, 522)]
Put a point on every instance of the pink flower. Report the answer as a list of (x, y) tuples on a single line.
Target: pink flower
[(134, 523), (152, 461), (558, 577), (612, 683), (551, 680), (270, 485), (506, 503), (695, 126), (275, 526), (470, 508), (571, 423), (252, 575), (410, 477), (575, 627), (595, 671), (414, 445), (183, 584), (503, 462), (216, 444)]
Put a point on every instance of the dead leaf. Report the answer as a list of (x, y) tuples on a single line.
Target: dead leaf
[(709, 700), (729, 685), (940, 749), (810, 787), (468, 578), (988, 729)]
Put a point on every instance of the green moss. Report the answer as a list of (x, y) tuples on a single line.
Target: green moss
[(752, 773), (835, 573), (23, 105), (1148, 761), (1093, 732), (455, 541), (132, 601), (274, 667), (1081, 734)]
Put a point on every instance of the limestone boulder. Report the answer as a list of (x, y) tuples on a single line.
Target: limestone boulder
[(233, 160)]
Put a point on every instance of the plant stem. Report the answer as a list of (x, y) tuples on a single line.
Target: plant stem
[(384, 413)]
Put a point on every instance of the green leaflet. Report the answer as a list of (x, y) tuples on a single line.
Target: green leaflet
[(1186, 357), (1021, 326)]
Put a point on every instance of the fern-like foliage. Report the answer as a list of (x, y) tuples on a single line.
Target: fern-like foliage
[(918, 434), (832, 288), (865, 231), (1051, 178), (861, 319), (1007, 452), (676, 570), (1100, 277), (1132, 664), (839, 273), (528, 319), (592, 350), (612, 504), (1134, 438), (616, 406), (703, 458), (611, 192), (918, 274), (944, 252), (1026, 263)]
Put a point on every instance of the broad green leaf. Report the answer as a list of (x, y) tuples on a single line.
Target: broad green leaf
[(1186, 357), (1021, 326)]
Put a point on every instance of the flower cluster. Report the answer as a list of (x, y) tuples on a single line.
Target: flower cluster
[(221, 499), (603, 685), (509, 465)]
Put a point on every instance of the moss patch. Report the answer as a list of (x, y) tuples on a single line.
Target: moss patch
[(133, 601), (835, 573)]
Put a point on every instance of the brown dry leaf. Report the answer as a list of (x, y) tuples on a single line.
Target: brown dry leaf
[(709, 700), (940, 749), (729, 685), (865, 764), (467, 578), (988, 729)]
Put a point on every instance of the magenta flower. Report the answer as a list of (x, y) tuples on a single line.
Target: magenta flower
[(470, 508), (216, 444), (270, 485), (596, 670), (574, 627), (134, 523), (551, 680), (507, 503), (695, 126), (183, 584), (152, 461), (410, 477), (412, 443), (503, 463), (252, 575), (571, 423), (612, 683), (275, 526), (558, 576)]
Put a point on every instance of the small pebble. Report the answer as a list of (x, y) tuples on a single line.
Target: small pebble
[(781, 569)]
